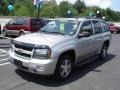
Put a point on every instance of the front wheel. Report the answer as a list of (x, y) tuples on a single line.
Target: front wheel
[(104, 50), (64, 67), (4, 33)]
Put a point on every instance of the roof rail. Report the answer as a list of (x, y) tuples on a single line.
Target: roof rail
[(92, 17), (88, 17)]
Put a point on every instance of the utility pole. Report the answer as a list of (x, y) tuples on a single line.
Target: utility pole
[(38, 11), (37, 3)]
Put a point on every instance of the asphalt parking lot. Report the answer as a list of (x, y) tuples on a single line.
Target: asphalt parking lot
[(97, 75)]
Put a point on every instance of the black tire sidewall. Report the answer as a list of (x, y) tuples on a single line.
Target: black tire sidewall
[(57, 71), (4, 33), (21, 33), (101, 54)]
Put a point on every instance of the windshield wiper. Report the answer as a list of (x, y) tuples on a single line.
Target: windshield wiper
[(57, 33)]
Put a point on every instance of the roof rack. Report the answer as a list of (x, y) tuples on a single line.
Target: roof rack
[(92, 17), (88, 17)]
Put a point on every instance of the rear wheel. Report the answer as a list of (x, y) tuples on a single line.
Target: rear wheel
[(104, 50), (4, 33), (64, 67)]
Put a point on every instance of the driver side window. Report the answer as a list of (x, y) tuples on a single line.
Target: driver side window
[(11, 22), (86, 27)]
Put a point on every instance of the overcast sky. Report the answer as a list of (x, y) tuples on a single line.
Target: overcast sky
[(113, 4)]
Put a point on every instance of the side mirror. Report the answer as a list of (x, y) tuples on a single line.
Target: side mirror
[(84, 34)]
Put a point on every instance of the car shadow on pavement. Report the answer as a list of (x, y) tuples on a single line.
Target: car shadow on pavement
[(77, 74)]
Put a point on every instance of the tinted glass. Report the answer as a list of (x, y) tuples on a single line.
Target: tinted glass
[(105, 26), (64, 27), (37, 22), (87, 27), (97, 27), (11, 22), (19, 21)]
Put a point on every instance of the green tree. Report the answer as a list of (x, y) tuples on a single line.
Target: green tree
[(80, 6), (64, 7), (3, 8), (48, 12), (22, 11), (24, 8), (49, 9)]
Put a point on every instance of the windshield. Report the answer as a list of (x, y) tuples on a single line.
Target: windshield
[(61, 27)]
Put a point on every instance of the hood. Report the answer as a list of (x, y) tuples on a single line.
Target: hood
[(42, 39)]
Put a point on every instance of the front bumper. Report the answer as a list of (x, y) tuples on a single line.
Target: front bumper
[(38, 66)]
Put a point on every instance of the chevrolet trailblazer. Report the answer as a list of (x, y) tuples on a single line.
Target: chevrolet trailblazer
[(60, 46)]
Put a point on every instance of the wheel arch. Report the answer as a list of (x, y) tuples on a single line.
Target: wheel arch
[(70, 52), (22, 30), (107, 42)]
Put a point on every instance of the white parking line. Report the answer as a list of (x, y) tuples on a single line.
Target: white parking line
[(4, 59), (3, 55), (6, 38), (5, 64), (3, 51)]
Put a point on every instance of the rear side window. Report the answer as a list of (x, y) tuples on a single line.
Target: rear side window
[(11, 22), (105, 26), (19, 21), (36, 22), (97, 27)]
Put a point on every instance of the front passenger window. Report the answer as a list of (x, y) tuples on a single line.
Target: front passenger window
[(87, 27), (11, 22)]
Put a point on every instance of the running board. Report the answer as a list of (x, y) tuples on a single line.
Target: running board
[(87, 60)]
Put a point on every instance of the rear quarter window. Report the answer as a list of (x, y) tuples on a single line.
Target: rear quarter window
[(37, 22), (104, 26), (21, 21)]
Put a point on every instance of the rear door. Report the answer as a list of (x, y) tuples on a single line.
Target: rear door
[(98, 34), (86, 45), (12, 26)]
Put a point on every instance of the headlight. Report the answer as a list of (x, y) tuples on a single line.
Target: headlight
[(42, 53)]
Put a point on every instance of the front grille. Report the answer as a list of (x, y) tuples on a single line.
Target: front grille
[(23, 54), (23, 49)]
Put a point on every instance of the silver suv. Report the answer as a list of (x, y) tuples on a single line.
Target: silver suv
[(60, 46)]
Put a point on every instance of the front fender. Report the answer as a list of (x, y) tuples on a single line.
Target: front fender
[(57, 52)]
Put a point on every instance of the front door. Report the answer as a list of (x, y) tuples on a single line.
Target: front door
[(86, 45)]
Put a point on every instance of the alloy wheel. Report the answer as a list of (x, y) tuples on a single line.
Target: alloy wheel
[(65, 68)]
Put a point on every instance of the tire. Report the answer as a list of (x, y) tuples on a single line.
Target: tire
[(104, 53), (115, 32), (21, 33), (63, 68), (5, 33)]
